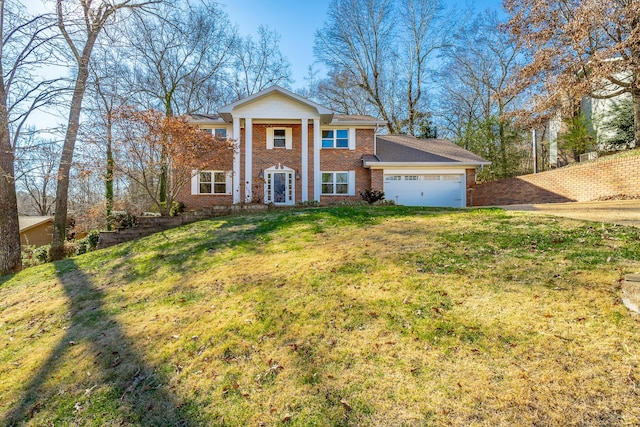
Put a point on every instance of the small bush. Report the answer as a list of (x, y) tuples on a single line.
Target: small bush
[(385, 203), (122, 219), (42, 254), (372, 196), (177, 208), (82, 246), (88, 243), (92, 239), (309, 203)]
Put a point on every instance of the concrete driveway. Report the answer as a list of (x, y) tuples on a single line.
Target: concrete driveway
[(623, 212)]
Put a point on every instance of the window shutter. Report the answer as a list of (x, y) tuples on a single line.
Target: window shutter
[(352, 138), (229, 183), (288, 134), (352, 183), (269, 138), (194, 182)]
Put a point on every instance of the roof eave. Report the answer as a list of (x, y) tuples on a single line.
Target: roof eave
[(358, 123), (381, 165), (226, 112)]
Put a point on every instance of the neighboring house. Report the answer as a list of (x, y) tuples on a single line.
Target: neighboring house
[(290, 150), (35, 230)]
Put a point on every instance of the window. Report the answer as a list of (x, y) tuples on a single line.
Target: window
[(212, 182), (335, 138), (218, 133), (335, 183), (279, 138)]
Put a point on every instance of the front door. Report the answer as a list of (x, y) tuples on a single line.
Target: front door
[(279, 187)]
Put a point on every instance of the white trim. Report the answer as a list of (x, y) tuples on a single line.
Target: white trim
[(305, 160), (317, 144), (352, 139), (290, 194), (288, 138), (194, 182), (269, 137), (236, 160), (248, 160), (383, 165), (425, 171), (352, 183)]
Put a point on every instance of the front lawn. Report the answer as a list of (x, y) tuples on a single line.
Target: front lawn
[(330, 316)]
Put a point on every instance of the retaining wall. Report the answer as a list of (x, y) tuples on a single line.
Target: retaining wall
[(595, 180)]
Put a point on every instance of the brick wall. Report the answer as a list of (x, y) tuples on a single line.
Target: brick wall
[(341, 159), (330, 160), (605, 177)]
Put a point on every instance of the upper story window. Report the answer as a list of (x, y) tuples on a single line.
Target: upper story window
[(279, 138), (335, 138)]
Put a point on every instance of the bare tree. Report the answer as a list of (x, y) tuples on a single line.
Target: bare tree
[(80, 24), (357, 39), (109, 89), (385, 48), (260, 64), (23, 41), (36, 164), (577, 48), (180, 53), (481, 64)]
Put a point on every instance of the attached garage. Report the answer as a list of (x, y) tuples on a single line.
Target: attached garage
[(422, 172), (444, 190)]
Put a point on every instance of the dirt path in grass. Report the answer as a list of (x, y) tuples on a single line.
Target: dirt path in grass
[(624, 212)]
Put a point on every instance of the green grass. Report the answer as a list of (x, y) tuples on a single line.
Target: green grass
[(330, 317)]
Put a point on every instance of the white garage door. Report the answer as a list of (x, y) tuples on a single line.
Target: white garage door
[(425, 190)]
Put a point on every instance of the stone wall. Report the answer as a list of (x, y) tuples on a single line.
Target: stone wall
[(154, 224)]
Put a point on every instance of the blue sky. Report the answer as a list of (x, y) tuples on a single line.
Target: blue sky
[(297, 21)]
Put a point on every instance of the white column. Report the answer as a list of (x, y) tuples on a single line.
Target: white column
[(236, 160), (305, 160), (248, 160), (317, 176)]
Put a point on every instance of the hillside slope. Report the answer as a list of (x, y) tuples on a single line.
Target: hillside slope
[(341, 316)]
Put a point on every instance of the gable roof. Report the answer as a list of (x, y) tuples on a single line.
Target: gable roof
[(226, 112), (406, 149), (28, 222)]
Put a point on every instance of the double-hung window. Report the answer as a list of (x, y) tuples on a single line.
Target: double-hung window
[(279, 138), (335, 183), (217, 132), (335, 138), (212, 182)]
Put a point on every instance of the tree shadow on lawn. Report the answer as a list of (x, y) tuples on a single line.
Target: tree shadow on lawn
[(250, 234), (127, 389)]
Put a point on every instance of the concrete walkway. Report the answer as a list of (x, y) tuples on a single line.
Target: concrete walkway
[(623, 212)]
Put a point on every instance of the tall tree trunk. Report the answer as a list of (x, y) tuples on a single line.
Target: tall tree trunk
[(10, 253), (66, 159), (636, 116), (108, 178)]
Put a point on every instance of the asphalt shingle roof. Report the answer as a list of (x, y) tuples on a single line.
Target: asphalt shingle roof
[(406, 148)]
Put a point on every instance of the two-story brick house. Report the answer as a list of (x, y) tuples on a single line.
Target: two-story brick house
[(289, 149)]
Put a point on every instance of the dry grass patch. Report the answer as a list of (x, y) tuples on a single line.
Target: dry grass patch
[(343, 316)]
